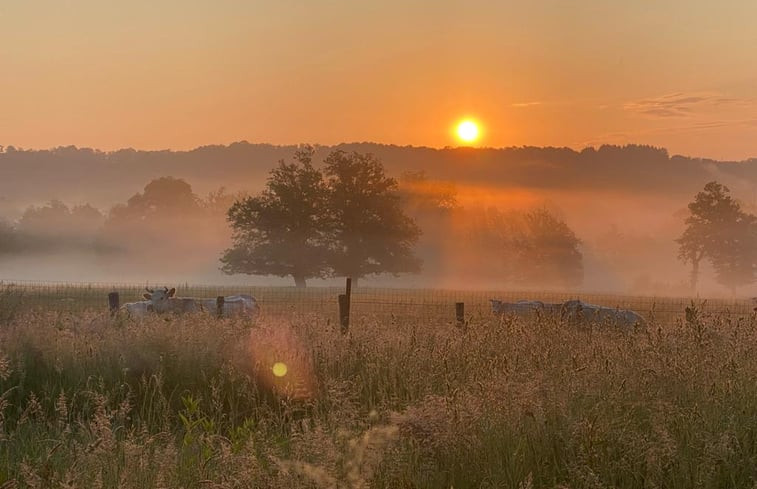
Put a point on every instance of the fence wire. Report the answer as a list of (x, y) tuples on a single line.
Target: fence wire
[(436, 303)]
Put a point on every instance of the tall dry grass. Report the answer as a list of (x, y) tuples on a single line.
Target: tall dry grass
[(192, 402)]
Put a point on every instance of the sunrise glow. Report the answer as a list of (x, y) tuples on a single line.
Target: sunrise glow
[(468, 131)]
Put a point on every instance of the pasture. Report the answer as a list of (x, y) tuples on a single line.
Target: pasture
[(406, 399)]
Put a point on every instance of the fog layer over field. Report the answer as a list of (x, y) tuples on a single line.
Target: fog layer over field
[(626, 206)]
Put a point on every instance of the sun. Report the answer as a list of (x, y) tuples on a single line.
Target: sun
[(468, 131)]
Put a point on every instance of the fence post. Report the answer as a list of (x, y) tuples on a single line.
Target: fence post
[(348, 293), (344, 313), (220, 300), (113, 303), (460, 313)]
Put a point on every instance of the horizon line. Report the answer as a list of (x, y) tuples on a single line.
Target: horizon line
[(4, 148)]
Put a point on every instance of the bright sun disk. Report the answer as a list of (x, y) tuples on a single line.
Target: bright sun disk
[(467, 131)]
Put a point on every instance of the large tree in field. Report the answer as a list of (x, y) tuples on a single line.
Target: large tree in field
[(550, 251), (371, 233), (719, 231), (284, 230)]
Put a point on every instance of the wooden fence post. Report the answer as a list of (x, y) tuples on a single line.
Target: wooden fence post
[(113, 303), (460, 313), (344, 313), (344, 307), (220, 300)]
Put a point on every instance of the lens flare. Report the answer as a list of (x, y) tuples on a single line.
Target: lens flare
[(281, 363), (279, 369)]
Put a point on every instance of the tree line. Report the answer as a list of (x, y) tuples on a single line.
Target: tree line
[(348, 217), (39, 174)]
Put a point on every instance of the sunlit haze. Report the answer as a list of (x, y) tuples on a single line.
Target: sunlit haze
[(378, 243), (179, 74)]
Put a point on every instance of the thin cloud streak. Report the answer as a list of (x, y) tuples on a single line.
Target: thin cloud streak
[(525, 104), (681, 129), (682, 104)]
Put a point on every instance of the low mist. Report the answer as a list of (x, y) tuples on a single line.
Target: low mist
[(513, 231)]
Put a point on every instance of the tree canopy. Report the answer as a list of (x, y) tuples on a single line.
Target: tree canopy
[(717, 229), (345, 221), (283, 231), (534, 248), (371, 233)]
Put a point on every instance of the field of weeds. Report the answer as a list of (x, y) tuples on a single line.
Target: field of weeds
[(399, 402)]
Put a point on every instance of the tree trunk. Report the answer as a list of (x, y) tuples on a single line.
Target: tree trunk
[(299, 281), (694, 275)]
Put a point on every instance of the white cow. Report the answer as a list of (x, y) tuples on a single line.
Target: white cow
[(576, 311), (164, 301), (573, 311), (233, 305), (137, 309)]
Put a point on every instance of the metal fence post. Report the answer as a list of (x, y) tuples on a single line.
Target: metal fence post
[(113, 303)]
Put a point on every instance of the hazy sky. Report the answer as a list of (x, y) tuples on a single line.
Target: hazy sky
[(178, 74)]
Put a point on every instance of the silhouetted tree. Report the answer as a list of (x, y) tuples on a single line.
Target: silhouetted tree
[(8, 240), (422, 196), (432, 205), (550, 250), (218, 202), (46, 220), (161, 217), (284, 230), (535, 247), (161, 197), (371, 233), (55, 225), (485, 244), (718, 230)]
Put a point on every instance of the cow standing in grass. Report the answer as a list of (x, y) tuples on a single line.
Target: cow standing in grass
[(137, 310), (576, 311), (234, 305), (573, 312), (163, 301)]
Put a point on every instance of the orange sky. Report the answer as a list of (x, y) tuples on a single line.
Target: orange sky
[(179, 74)]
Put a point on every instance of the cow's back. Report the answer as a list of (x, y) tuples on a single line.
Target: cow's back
[(137, 309), (183, 305), (233, 305)]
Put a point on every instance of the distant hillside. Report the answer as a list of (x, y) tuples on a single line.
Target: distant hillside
[(102, 178)]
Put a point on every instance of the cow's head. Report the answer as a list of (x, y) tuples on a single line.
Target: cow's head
[(158, 297)]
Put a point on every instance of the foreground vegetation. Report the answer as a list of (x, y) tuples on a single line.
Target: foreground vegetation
[(86, 401)]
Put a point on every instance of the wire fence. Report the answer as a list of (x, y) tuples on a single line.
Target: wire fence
[(322, 301)]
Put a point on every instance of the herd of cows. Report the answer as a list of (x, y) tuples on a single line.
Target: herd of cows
[(165, 301), (572, 312)]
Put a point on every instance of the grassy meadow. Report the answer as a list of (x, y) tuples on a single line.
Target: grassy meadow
[(406, 399)]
